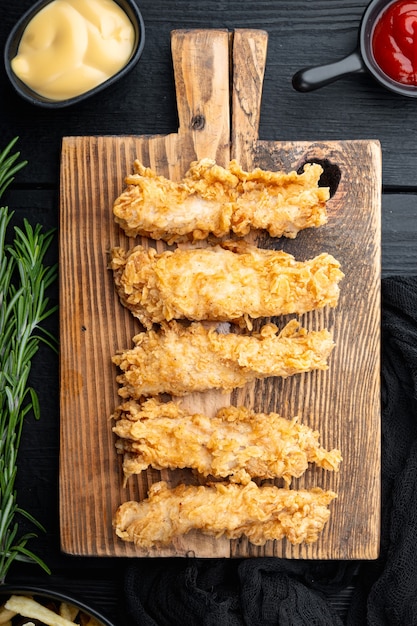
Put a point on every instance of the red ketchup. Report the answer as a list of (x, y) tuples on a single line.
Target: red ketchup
[(394, 41)]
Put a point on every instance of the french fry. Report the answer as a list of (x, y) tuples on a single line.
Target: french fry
[(68, 611), (27, 607), (6, 616)]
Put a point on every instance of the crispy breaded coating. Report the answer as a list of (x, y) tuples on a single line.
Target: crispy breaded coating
[(179, 360), (214, 200), (232, 282), (236, 443), (229, 509)]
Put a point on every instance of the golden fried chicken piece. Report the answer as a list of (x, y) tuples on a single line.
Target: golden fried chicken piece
[(214, 200), (229, 509), (232, 282), (179, 360), (236, 443)]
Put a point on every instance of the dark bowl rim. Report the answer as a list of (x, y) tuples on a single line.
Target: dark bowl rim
[(133, 12), (54, 594)]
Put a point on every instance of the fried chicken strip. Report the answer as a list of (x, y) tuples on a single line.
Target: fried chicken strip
[(179, 360), (236, 443), (229, 509), (214, 200), (233, 282)]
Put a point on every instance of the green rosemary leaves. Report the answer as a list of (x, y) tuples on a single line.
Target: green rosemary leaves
[(24, 306)]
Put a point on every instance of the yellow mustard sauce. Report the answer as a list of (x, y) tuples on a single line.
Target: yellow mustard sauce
[(71, 46)]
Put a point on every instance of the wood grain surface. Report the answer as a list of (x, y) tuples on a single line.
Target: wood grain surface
[(218, 109)]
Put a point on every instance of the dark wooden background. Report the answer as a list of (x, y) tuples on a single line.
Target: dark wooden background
[(301, 33)]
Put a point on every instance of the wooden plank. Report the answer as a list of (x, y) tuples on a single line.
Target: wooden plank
[(399, 235), (343, 403)]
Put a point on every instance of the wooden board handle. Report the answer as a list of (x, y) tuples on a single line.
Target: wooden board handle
[(248, 69), (218, 79), (201, 69)]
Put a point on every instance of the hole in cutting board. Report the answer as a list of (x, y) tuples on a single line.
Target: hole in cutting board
[(331, 174)]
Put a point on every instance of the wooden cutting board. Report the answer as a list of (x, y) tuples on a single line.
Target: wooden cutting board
[(219, 79)]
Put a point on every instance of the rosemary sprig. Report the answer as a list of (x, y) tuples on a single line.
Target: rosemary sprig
[(24, 306)]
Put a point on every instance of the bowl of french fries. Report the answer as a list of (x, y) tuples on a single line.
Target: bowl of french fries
[(30, 606)]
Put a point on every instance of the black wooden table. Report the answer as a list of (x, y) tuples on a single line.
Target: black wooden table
[(301, 32)]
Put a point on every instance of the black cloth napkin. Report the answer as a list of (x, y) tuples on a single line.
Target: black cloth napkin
[(272, 591)]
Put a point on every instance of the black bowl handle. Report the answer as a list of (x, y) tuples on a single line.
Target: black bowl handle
[(312, 78)]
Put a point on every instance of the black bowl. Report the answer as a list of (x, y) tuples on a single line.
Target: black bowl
[(132, 11), (43, 594)]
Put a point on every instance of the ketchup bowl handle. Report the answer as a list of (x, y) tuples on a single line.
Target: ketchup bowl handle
[(312, 78)]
